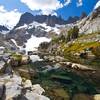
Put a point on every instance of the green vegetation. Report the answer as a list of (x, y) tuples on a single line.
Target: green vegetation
[(17, 57), (73, 33), (85, 49), (43, 45), (78, 47)]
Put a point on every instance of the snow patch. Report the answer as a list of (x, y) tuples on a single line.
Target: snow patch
[(33, 43), (14, 42), (45, 27), (49, 28), (24, 26), (21, 48)]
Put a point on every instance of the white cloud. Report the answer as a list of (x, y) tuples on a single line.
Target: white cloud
[(46, 6), (2, 9), (9, 18), (42, 4), (79, 3), (67, 2), (97, 5)]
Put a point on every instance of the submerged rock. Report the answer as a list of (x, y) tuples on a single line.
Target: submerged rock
[(61, 93), (97, 97), (26, 72), (82, 97), (86, 97)]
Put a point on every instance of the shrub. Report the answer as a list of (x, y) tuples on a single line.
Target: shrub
[(44, 45), (73, 33)]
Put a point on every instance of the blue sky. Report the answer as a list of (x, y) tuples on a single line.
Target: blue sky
[(69, 10), (73, 10), (11, 10)]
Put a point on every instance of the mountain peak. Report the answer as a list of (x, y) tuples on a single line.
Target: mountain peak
[(25, 18), (50, 20)]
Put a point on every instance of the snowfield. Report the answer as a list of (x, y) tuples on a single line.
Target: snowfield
[(33, 43), (46, 28), (24, 26)]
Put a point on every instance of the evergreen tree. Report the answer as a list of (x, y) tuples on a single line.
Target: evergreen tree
[(73, 33)]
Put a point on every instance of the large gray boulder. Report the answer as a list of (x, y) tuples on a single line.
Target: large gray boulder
[(2, 66), (12, 87)]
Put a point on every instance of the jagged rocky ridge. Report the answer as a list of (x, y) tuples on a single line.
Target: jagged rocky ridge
[(39, 26), (28, 18)]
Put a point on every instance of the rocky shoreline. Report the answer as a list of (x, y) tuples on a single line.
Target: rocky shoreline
[(17, 80), (14, 88), (13, 85)]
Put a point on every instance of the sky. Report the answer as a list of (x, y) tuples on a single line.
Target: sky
[(11, 10)]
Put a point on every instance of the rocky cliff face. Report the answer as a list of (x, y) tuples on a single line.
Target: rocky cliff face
[(3, 28), (28, 18), (86, 24), (22, 35), (91, 23), (39, 26)]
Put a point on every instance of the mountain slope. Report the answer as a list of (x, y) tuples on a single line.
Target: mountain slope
[(97, 5), (91, 23), (3, 28), (48, 26), (39, 26)]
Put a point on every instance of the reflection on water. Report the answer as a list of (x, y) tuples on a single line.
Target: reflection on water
[(60, 84)]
